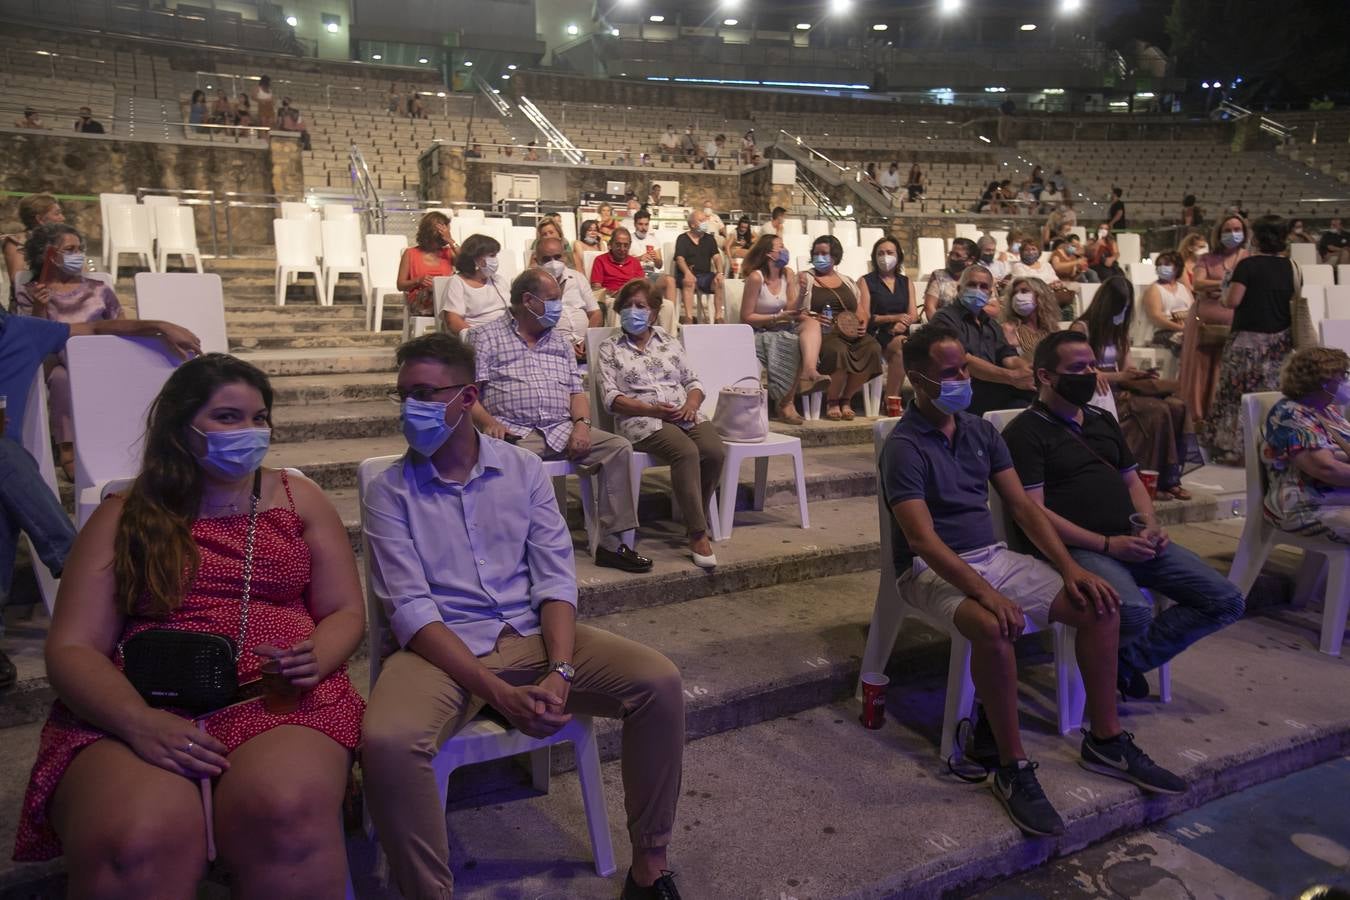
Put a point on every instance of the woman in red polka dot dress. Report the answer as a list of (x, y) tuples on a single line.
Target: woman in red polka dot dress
[(116, 785)]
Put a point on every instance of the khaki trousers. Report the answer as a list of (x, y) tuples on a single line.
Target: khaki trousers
[(415, 707), (612, 458), (695, 458)]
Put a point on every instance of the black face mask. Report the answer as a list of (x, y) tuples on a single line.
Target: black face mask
[(986, 258), (1076, 389)]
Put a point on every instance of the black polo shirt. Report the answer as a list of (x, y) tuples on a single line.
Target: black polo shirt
[(1082, 479), (979, 333), (698, 256), (951, 477)]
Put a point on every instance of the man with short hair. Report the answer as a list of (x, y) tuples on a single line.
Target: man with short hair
[(698, 264), (936, 468), (580, 308), (1073, 460), (890, 180), (631, 257), (1002, 378), (670, 141), (987, 248), (775, 225), (689, 145), (474, 152), (532, 396), (1333, 245), (941, 290), (86, 123), (472, 561)]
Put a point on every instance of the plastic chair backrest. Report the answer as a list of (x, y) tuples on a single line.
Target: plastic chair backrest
[(1338, 301), (1000, 237), (1336, 333), (733, 290), (1316, 295), (159, 200), (36, 431), (792, 227), (1130, 248), (196, 302), (291, 209), (853, 264), (881, 431), (341, 241), (439, 286), (932, 255), (846, 230), (130, 224), (797, 245), (1303, 254), (968, 231), (377, 623), (293, 242), (1317, 274), (869, 235), (1255, 408), (113, 381), (569, 225), (720, 355), (817, 227), (175, 226), (589, 257), (594, 338), (384, 252), (337, 210), (1004, 528), (468, 214)]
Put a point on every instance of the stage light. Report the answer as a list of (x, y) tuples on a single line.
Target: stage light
[(841, 7), (292, 21), (1029, 27), (657, 19), (332, 27), (422, 60), (803, 26), (880, 26), (573, 29), (512, 67), (730, 22), (377, 56), (947, 7), (468, 63)]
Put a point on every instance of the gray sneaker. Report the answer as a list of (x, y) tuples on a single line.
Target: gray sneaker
[(1121, 758), (1017, 789)]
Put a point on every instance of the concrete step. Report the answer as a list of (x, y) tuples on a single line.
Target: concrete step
[(291, 340), (326, 361), (290, 391), (292, 316)]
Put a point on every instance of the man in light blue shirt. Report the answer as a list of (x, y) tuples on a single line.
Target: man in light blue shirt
[(472, 561)]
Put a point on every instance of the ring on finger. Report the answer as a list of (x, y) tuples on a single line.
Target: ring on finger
[(188, 748)]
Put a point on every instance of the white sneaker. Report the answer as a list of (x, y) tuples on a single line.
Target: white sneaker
[(704, 562)]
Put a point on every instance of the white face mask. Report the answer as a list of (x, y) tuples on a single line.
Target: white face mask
[(886, 262), (1024, 303), (1201, 250), (489, 265), (554, 267)]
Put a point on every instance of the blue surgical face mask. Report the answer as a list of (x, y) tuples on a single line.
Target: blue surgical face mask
[(782, 257), (553, 310), (230, 455), (424, 425), (1166, 273), (974, 299), (953, 396), (1231, 239), (72, 263), (1119, 318), (634, 320), (822, 262)]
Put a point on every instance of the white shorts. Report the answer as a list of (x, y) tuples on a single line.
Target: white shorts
[(1025, 580)]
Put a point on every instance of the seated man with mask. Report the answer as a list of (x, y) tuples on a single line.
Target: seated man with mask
[(472, 562), (1073, 460), (532, 395), (1002, 379), (936, 470), (580, 309), (632, 256)]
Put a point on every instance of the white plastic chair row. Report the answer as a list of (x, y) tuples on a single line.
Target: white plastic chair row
[(297, 254), (483, 740), (1259, 536), (194, 301)]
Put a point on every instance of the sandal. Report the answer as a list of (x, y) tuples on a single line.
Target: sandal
[(1177, 493), (788, 413), (686, 320), (807, 385), (846, 411), (832, 411)]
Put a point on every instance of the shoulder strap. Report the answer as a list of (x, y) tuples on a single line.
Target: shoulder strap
[(1077, 436), (286, 483)]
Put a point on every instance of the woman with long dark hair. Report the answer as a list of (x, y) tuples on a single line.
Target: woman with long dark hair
[(787, 337), (207, 546), (1153, 417), (433, 255)]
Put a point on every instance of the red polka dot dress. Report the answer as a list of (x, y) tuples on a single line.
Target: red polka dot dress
[(278, 615)]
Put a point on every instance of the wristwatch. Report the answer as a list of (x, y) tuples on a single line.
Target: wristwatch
[(564, 669), (581, 420)]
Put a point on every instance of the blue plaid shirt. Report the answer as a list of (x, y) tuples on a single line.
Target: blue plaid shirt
[(527, 388)]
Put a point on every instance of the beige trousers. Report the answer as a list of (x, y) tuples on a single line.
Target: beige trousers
[(612, 459), (416, 707)]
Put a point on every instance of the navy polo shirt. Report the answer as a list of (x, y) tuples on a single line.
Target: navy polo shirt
[(951, 477), (25, 342)]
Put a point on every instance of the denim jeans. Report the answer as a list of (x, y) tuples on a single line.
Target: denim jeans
[(1205, 602), (27, 504)]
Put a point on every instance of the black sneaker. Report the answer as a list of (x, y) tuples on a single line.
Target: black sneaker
[(1132, 685), (662, 889), (1121, 758), (8, 673), (1017, 789), (625, 558)]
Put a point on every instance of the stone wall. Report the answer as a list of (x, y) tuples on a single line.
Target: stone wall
[(61, 163), (695, 185), (441, 175), (759, 195)]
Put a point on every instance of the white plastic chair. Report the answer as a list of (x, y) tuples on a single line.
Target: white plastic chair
[(129, 232), (792, 227), (891, 610), (291, 209), (1337, 304), (1343, 274), (846, 230), (342, 255), (869, 235), (1130, 247), (384, 254), (604, 420), (113, 381), (1317, 274), (1303, 254), (932, 255), (105, 205), (194, 301), (295, 256), (1260, 536), (37, 440), (469, 214), (336, 210), (484, 740), (817, 227), (1336, 333), (721, 355), (968, 231), (176, 235)]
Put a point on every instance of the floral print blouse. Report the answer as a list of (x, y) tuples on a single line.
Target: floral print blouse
[(1293, 499), (658, 374)]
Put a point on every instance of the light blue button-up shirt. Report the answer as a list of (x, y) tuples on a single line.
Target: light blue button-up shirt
[(476, 556)]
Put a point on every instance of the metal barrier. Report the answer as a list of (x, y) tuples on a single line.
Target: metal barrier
[(205, 198)]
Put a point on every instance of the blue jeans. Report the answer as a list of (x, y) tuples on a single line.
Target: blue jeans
[(1205, 602), (27, 504)]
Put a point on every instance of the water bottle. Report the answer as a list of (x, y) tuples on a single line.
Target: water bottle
[(827, 319)]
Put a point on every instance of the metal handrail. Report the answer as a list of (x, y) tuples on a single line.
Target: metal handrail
[(365, 189), (811, 150)]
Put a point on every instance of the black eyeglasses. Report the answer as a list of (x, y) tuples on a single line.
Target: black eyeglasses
[(421, 394)]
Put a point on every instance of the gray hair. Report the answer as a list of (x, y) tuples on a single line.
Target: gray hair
[(528, 282)]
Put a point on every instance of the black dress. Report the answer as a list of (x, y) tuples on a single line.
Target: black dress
[(885, 302)]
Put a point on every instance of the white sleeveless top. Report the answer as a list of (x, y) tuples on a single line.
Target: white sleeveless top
[(1175, 297), (767, 303)]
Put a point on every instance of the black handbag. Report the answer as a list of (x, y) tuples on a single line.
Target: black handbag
[(189, 670)]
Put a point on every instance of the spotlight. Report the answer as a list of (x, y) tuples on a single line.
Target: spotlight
[(880, 26), (614, 32), (1204, 84), (657, 19), (377, 56), (730, 22), (803, 26), (947, 7), (1029, 27), (1069, 7), (468, 64), (292, 21), (422, 60), (506, 77), (573, 29), (512, 67), (841, 7), (331, 27)]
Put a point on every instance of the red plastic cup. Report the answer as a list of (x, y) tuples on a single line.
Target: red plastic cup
[(894, 406), (874, 699), (1150, 479)]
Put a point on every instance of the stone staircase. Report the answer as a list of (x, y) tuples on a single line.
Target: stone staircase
[(769, 644)]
